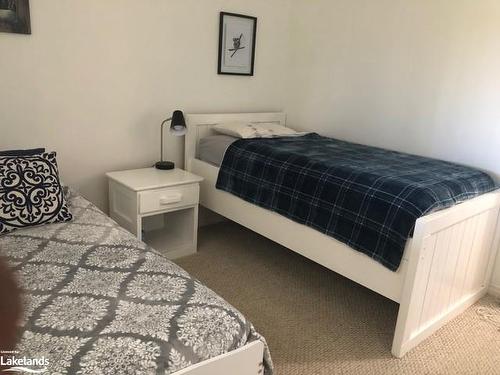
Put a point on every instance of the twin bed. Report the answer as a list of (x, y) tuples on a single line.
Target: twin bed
[(99, 301), (445, 265)]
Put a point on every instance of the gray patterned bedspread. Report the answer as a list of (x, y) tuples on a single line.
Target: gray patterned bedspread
[(98, 301)]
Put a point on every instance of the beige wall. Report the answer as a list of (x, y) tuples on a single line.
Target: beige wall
[(421, 76), (96, 78)]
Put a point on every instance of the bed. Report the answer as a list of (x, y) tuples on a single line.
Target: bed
[(445, 267), (97, 300)]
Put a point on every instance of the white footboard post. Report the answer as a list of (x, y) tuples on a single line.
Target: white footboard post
[(409, 301), (449, 268)]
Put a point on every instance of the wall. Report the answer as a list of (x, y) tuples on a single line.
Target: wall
[(417, 76), (96, 78)]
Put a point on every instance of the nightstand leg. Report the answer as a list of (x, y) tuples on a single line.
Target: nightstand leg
[(138, 231), (195, 229)]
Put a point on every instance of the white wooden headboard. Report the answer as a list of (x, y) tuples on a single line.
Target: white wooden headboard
[(200, 125)]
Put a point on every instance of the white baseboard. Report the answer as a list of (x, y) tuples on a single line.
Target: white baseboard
[(494, 290)]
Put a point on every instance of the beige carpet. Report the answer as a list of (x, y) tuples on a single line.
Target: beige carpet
[(317, 322)]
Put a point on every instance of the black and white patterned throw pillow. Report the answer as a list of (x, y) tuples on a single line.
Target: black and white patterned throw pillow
[(30, 192)]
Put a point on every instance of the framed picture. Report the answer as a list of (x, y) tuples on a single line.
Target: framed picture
[(15, 16), (236, 44)]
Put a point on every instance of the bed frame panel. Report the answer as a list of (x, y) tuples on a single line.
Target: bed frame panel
[(246, 360), (446, 267)]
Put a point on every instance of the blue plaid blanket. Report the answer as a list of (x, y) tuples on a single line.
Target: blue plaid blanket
[(366, 197)]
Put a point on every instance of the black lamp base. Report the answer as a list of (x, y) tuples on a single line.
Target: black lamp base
[(165, 165)]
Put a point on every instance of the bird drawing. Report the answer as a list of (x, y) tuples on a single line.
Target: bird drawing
[(236, 45)]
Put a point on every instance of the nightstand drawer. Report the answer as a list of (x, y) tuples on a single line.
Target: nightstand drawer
[(162, 199)]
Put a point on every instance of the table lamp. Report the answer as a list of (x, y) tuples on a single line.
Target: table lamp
[(177, 128)]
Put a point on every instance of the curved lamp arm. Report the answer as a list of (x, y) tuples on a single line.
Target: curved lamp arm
[(161, 137)]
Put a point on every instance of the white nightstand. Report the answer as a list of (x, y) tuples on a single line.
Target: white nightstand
[(162, 205)]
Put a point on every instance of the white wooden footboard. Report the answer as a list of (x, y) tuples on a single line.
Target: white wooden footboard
[(246, 360), (449, 268)]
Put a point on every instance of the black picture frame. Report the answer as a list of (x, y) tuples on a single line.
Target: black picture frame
[(221, 68), (15, 16)]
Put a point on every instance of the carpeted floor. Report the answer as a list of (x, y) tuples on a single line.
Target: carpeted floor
[(317, 322)]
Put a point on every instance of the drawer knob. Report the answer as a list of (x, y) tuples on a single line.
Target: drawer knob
[(171, 198)]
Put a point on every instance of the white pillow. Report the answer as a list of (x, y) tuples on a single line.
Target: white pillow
[(254, 130)]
